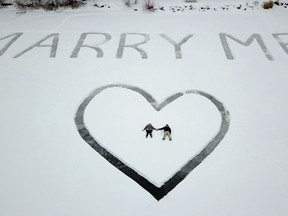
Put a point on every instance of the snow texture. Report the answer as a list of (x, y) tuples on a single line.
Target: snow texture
[(50, 61), (176, 178)]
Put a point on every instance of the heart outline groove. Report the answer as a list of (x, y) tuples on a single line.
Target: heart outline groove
[(157, 192)]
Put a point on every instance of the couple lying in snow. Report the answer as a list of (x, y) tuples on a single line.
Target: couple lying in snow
[(167, 131)]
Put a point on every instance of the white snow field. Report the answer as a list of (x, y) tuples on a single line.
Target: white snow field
[(77, 87)]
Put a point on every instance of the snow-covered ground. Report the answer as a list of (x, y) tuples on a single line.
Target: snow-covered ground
[(54, 64)]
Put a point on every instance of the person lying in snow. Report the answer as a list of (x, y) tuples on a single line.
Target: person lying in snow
[(167, 132), (149, 128)]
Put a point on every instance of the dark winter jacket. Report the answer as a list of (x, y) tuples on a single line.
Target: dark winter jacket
[(149, 127), (165, 128)]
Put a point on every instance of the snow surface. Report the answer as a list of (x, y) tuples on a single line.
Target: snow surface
[(189, 134), (48, 169)]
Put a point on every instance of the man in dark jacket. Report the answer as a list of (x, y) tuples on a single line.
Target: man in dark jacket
[(149, 128), (167, 132)]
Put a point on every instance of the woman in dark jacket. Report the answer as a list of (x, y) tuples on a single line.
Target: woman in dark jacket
[(167, 132), (149, 128)]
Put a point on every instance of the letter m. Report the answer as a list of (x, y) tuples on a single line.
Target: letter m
[(14, 36), (257, 37)]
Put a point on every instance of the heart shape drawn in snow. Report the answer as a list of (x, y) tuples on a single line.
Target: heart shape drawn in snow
[(157, 192)]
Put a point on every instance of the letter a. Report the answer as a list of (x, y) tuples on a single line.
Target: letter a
[(282, 44), (53, 46)]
